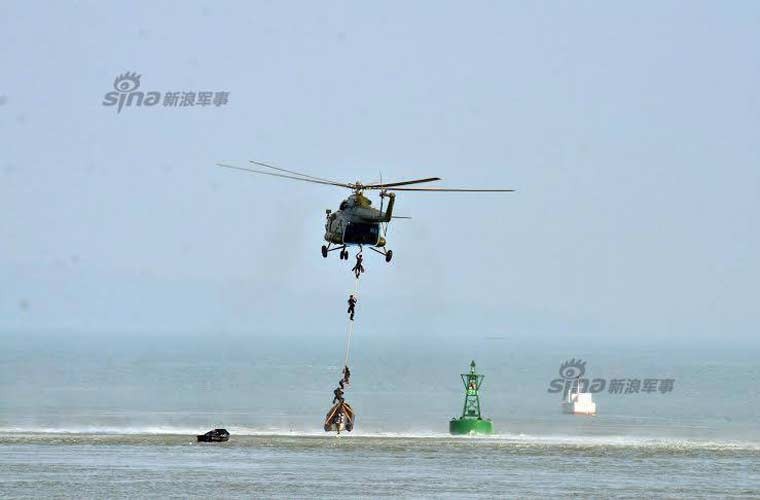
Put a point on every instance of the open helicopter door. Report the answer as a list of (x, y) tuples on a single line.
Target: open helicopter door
[(362, 233)]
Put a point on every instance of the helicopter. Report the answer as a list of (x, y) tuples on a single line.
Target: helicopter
[(357, 222)]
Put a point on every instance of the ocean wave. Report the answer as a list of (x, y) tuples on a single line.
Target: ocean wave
[(145, 434)]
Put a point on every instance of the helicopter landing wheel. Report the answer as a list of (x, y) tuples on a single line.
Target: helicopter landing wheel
[(388, 255), (324, 251), (345, 254)]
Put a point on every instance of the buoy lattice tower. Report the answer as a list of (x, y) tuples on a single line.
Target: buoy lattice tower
[(471, 421)]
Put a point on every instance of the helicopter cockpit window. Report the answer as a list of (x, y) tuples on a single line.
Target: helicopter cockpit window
[(343, 205)]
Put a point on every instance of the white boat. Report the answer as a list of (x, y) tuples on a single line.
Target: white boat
[(577, 402)]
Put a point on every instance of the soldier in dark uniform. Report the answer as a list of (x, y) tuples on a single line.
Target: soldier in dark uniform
[(338, 395), (358, 268), (351, 306)]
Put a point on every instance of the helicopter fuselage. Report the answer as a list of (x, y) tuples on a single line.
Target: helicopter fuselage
[(356, 222)]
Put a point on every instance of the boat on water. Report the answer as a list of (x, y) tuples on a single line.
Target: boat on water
[(578, 402), (340, 418), (214, 436)]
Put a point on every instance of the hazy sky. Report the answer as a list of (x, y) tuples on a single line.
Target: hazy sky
[(630, 132)]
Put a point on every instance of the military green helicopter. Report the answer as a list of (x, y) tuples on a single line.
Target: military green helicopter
[(357, 222)]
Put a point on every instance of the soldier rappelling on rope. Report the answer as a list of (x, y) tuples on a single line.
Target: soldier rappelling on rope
[(358, 268), (338, 395), (351, 306)]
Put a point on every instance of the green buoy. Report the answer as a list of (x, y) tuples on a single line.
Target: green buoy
[(471, 422)]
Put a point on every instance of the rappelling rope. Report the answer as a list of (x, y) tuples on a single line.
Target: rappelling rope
[(335, 418), (351, 324)]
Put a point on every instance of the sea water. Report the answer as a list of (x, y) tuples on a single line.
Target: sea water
[(109, 415)]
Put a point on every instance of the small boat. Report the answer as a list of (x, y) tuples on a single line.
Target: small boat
[(214, 436), (578, 402), (340, 418)]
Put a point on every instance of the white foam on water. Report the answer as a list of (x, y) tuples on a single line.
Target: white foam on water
[(506, 438), (84, 430)]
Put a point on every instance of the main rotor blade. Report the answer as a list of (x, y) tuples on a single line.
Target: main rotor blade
[(329, 183), (262, 164), (402, 183), (456, 190)]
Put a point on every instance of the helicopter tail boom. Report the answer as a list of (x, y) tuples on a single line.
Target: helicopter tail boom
[(388, 215)]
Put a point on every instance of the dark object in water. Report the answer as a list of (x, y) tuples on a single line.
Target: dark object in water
[(340, 418), (215, 436)]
